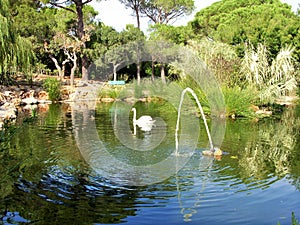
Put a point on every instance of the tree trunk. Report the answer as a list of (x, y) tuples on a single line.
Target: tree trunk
[(152, 69), (115, 72), (138, 73), (61, 76), (60, 71), (162, 74), (73, 69), (138, 66), (138, 17), (81, 35)]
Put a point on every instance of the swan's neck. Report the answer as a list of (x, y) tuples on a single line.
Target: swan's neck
[(134, 121), (134, 115)]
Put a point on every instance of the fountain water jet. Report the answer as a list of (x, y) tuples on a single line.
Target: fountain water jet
[(212, 149)]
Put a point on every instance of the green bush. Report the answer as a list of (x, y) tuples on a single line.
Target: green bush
[(191, 83), (238, 101), (110, 92), (52, 86)]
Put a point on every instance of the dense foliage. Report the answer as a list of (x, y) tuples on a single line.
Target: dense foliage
[(235, 22), (241, 41), (15, 51)]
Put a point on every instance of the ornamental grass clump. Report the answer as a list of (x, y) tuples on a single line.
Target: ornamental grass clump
[(272, 78)]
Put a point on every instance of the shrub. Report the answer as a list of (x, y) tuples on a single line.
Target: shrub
[(221, 59), (52, 86), (110, 92), (271, 78), (238, 101)]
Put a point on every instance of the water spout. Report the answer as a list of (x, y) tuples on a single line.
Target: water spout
[(202, 114)]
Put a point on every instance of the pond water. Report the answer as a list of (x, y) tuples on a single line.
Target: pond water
[(47, 176)]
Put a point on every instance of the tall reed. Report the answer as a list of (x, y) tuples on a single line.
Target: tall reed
[(272, 78)]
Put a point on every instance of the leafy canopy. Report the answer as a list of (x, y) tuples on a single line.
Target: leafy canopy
[(15, 51), (238, 21)]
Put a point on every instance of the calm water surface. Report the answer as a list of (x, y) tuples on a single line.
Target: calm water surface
[(45, 177)]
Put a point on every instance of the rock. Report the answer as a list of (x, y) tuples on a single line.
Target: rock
[(30, 107), (44, 101), (16, 101), (143, 99), (264, 112), (42, 95), (9, 95), (2, 97), (8, 111), (29, 101), (215, 152), (7, 106), (130, 100), (26, 94), (72, 97), (43, 107), (254, 108), (107, 99)]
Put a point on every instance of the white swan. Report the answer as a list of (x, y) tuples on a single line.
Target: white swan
[(144, 122)]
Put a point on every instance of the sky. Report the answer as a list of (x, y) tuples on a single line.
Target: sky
[(113, 13)]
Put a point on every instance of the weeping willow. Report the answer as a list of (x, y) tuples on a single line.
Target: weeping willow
[(15, 52)]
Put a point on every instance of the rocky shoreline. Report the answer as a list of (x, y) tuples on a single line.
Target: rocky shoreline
[(15, 99), (24, 98)]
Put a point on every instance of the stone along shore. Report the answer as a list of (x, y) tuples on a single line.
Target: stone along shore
[(13, 99)]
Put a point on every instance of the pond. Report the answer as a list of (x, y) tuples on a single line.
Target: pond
[(49, 175)]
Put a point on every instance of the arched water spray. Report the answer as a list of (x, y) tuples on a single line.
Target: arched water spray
[(202, 114), (145, 164)]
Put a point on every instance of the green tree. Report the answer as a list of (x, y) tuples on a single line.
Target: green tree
[(165, 11), (65, 46), (36, 23), (238, 21), (135, 5), (177, 34), (133, 34), (104, 41), (102, 38), (80, 26), (15, 52)]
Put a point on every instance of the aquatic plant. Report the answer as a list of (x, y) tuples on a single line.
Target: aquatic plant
[(52, 86), (294, 220), (110, 92), (238, 101)]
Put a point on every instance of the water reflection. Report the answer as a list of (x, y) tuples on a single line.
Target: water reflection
[(265, 151), (44, 178)]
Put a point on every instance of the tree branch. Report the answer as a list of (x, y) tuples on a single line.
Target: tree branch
[(62, 7), (87, 1)]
